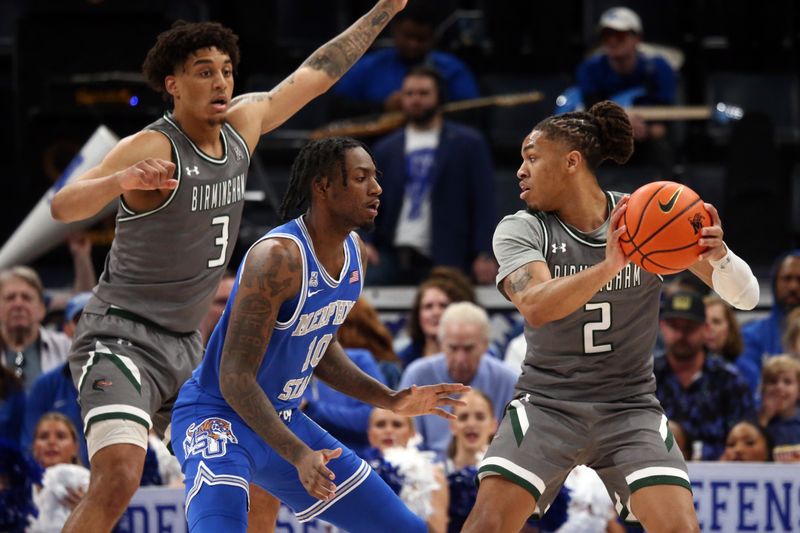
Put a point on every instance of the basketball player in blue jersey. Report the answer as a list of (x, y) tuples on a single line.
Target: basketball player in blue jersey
[(237, 420), (587, 392), (180, 184)]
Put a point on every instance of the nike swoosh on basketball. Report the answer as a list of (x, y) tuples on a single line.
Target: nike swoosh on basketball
[(667, 207), (312, 293)]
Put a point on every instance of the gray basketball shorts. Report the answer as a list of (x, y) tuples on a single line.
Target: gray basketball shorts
[(125, 369), (540, 440)]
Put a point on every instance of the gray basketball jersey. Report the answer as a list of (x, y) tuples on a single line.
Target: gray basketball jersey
[(603, 350), (165, 264)]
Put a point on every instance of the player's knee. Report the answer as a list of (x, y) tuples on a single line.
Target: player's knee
[(114, 485), (215, 508)]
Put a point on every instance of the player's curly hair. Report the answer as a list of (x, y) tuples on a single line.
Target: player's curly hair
[(323, 158), (604, 132), (174, 46)]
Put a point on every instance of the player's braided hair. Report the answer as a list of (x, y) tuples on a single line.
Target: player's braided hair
[(604, 132), (174, 46), (324, 158)]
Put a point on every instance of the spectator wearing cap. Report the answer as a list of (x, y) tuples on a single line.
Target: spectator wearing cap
[(702, 392), (625, 74), (54, 391), (28, 349)]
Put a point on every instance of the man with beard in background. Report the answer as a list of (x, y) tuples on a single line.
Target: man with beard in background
[(762, 338), (702, 392), (432, 162)]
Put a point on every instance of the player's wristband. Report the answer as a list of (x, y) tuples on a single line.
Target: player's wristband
[(734, 281)]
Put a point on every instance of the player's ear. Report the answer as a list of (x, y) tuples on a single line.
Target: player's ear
[(171, 86), (321, 185), (574, 159)]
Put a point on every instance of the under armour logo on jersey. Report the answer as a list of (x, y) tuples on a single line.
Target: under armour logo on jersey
[(559, 247), (192, 171), (237, 152)]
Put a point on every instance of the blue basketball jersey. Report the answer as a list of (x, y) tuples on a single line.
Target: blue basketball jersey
[(305, 326)]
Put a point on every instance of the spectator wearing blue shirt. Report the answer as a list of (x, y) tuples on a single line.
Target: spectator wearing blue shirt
[(703, 393), (624, 74), (378, 76), (763, 338), (464, 336), (780, 415)]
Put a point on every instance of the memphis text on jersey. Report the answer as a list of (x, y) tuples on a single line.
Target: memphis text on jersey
[(220, 194), (320, 318), (630, 276), (334, 312)]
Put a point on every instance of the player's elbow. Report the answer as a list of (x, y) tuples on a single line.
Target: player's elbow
[(748, 298), (536, 316), (57, 210)]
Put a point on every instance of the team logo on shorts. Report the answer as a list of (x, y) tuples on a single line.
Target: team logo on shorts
[(209, 438)]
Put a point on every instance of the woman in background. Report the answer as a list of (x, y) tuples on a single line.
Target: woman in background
[(443, 286), (722, 332), (411, 473)]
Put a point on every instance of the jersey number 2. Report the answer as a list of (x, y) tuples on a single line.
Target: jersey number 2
[(604, 324), (222, 240)]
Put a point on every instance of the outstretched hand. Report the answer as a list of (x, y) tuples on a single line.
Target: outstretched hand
[(428, 399)]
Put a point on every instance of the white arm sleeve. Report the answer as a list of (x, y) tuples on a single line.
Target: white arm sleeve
[(734, 281)]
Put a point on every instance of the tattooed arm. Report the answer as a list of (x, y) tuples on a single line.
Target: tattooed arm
[(254, 114), (271, 276), (337, 370), (541, 299)]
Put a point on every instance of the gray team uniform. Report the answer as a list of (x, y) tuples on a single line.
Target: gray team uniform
[(136, 342), (587, 392)]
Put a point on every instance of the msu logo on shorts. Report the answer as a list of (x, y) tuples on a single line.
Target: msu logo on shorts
[(209, 438)]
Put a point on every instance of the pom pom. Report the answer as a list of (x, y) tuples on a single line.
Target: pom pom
[(57, 481)]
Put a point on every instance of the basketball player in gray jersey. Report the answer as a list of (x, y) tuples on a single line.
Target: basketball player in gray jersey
[(587, 392), (180, 184)]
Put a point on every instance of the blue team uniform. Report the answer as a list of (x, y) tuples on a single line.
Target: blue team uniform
[(220, 455)]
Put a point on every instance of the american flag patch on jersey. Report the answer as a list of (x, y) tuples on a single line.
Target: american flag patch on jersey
[(354, 276)]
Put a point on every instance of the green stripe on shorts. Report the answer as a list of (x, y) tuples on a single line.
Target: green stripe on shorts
[(659, 480), (511, 476), (117, 416)]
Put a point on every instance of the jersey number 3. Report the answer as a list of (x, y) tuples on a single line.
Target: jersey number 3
[(589, 328), (221, 241)]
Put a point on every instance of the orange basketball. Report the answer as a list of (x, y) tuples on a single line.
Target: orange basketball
[(663, 222)]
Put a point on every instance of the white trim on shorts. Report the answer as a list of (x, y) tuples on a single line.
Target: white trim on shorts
[(135, 414), (655, 471), (205, 475), (514, 468), (350, 484)]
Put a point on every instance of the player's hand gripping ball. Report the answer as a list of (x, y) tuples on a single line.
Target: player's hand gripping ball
[(663, 222)]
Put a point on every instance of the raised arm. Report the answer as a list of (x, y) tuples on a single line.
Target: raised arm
[(270, 276), (540, 298), (254, 114), (139, 168)]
